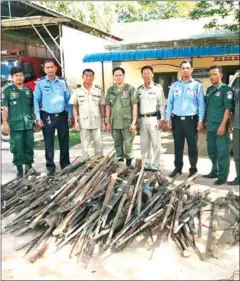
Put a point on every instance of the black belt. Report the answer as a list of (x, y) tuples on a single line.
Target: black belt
[(149, 114), (184, 117), (55, 114)]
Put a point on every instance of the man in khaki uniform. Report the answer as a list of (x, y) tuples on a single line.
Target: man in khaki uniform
[(121, 115), (152, 116), (88, 105)]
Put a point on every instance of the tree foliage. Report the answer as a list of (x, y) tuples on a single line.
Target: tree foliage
[(103, 14), (217, 8)]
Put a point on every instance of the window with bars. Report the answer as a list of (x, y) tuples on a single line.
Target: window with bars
[(227, 58)]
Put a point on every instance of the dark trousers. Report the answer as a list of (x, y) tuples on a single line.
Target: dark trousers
[(218, 152), (185, 129), (52, 122)]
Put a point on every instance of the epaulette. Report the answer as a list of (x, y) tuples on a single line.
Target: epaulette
[(98, 87), (77, 86), (6, 86), (140, 87), (41, 78), (127, 86), (158, 85), (27, 88)]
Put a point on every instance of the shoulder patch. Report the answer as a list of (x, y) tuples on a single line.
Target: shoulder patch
[(77, 86), (229, 95)]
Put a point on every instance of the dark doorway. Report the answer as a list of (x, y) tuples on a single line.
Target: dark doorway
[(165, 79), (228, 72)]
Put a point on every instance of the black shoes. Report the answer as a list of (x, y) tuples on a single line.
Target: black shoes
[(236, 181), (50, 173), (175, 172), (128, 161), (211, 176), (220, 181), (192, 174), (19, 172), (33, 171)]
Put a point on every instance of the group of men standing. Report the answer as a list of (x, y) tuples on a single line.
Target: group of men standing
[(123, 109)]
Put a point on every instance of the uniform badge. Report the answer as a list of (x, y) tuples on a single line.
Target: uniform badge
[(27, 92), (176, 89), (218, 94), (124, 92), (229, 95)]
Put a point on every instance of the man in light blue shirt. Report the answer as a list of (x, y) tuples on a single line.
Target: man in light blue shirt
[(185, 115), (53, 111)]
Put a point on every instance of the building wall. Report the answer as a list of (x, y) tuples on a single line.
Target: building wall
[(76, 45), (133, 75)]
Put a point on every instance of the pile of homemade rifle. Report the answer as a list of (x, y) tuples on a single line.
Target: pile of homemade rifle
[(101, 205)]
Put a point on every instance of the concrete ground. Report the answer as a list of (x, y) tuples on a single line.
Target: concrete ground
[(134, 262)]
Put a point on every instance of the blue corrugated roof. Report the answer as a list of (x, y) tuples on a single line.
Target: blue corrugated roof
[(162, 53)]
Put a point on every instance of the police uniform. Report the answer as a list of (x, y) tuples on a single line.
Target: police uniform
[(186, 106), (20, 119), (121, 100), (51, 105), (89, 116), (218, 99), (151, 109)]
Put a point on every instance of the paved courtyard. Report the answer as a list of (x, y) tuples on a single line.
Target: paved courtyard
[(138, 261)]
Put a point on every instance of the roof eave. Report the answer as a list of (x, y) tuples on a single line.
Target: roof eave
[(73, 21)]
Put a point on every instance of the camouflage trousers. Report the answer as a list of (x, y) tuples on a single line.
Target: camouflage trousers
[(123, 142)]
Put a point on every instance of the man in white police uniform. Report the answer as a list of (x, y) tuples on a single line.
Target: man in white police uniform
[(88, 106), (152, 116)]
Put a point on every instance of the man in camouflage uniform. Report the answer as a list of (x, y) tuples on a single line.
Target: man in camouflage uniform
[(17, 116), (152, 116), (121, 115), (88, 104), (219, 104)]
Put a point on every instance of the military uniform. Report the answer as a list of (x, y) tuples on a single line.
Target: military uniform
[(20, 119), (151, 109), (218, 99), (236, 136), (121, 100), (89, 116)]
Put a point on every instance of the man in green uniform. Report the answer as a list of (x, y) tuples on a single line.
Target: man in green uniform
[(121, 115), (17, 102), (236, 129), (219, 103)]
